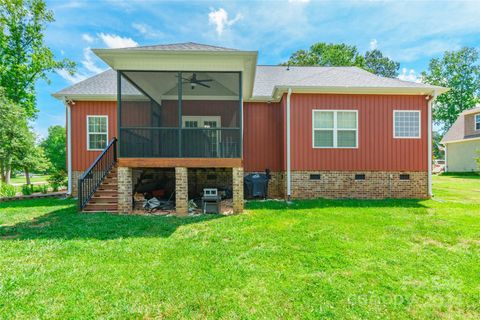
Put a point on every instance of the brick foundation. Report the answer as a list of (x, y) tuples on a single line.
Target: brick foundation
[(342, 184), (75, 176), (276, 184), (237, 188), (124, 189), (181, 191)]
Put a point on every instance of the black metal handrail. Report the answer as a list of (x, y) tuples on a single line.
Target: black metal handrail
[(91, 179)]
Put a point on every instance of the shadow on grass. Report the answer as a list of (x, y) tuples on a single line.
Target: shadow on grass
[(325, 203), (461, 175), (68, 224), (40, 202)]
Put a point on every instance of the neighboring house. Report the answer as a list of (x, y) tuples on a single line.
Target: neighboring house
[(462, 142), (204, 116)]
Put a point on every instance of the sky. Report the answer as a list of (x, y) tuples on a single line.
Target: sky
[(410, 32)]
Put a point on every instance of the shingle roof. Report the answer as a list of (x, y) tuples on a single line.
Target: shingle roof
[(457, 130), (267, 77), (185, 46)]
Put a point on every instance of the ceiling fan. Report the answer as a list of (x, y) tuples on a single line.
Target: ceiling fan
[(193, 81)]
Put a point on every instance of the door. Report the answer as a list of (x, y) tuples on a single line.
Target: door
[(212, 136)]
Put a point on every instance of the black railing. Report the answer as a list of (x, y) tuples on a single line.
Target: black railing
[(194, 142), (91, 179)]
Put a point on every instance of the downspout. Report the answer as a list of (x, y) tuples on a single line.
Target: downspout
[(429, 134), (289, 178), (69, 145)]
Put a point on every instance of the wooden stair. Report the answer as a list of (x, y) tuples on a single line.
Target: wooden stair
[(105, 199)]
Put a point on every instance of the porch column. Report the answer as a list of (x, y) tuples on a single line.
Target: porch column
[(181, 191), (237, 187), (124, 181)]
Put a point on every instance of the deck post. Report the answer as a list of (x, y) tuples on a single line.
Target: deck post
[(237, 182), (181, 191), (124, 179)]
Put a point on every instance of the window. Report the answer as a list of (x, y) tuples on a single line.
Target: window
[(335, 129), (406, 124), (360, 176), (404, 176), (314, 177), (97, 132), (477, 121)]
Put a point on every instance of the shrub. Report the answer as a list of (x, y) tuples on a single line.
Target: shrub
[(57, 179), (27, 189), (43, 188), (7, 190)]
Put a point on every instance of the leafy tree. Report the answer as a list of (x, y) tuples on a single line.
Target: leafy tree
[(55, 148), (459, 71), (24, 57), (377, 63), (437, 148), (14, 135), (330, 54), (32, 159)]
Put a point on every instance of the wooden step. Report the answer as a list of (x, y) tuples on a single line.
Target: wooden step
[(106, 192), (101, 207)]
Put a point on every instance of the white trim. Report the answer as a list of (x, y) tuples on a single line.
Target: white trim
[(429, 137), (335, 129), (69, 146), (446, 158), (462, 140), (419, 123), (475, 121), (88, 133)]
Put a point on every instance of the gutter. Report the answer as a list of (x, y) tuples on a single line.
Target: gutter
[(289, 177), (69, 145)]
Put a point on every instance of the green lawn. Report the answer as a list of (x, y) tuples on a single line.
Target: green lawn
[(36, 179), (316, 259)]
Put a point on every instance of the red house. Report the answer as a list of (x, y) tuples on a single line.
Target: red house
[(187, 116)]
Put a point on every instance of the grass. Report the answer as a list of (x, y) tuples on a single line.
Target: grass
[(315, 259), (36, 179)]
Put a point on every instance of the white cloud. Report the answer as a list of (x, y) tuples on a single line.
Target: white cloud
[(409, 75), (219, 18), (116, 41), (87, 38), (77, 77), (89, 63), (373, 44), (140, 27)]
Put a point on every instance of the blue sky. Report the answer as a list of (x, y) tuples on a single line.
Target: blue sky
[(410, 32)]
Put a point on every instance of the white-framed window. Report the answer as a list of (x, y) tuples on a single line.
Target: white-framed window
[(477, 122), (335, 128), (97, 132), (406, 124)]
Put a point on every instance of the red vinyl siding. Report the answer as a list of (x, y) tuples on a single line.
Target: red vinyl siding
[(377, 149), (81, 157), (262, 142)]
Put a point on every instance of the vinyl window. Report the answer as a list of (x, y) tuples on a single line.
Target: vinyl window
[(477, 121), (97, 132), (406, 124), (335, 129)]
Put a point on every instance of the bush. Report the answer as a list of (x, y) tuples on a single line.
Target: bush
[(27, 189), (58, 179), (43, 188), (7, 190)]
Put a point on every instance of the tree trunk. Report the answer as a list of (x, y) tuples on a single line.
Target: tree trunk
[(2, 172), (27, 176), (8, 170)]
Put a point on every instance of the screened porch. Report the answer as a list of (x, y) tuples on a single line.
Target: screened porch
[(179, 114)]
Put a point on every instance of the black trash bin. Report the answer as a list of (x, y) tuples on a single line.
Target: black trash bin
[(256, 185)]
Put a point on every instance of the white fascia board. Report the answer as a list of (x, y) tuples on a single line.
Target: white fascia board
[(458, 141)]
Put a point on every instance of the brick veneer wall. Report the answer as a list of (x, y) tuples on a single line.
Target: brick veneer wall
[(181, 191), (237, 186), (342, 184)]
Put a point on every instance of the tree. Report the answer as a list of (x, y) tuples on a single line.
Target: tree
[(14, 133), (343, 55), (377, 63), (30, 158), (55, 147), (24, 57), (459, 71)]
